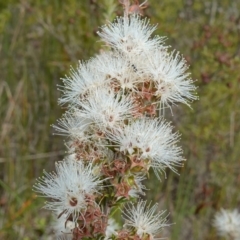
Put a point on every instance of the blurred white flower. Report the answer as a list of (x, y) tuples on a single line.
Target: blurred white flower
[(111, 229), (144, 220), (70, 189), (227, 223), (130, 35), (63, 228), (150, 139)]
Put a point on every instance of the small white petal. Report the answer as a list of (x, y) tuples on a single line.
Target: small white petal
[(63, 228), (111, 229)]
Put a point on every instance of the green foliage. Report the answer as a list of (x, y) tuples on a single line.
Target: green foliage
[(40, 40)]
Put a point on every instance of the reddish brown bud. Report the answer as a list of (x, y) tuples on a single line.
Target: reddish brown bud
[(122, 189), (123, 235), (120, 165)]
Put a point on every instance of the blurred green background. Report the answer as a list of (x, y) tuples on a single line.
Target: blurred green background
[(40, 39)]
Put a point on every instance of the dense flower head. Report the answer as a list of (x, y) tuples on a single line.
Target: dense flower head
[(136, 58), (143, 220), (105, 109), (119, 71), (151, 140), (73, 125), (130, 35), (80, 82), (70, 188), (168, 72), (227, 223)]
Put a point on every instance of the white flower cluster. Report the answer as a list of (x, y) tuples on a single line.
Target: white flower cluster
[(116, 133), (136, 58), (227, 223)]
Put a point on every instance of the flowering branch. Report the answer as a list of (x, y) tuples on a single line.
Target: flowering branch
[(117, 133)]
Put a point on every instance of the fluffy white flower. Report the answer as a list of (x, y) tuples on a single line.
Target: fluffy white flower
[(130, 35), (70, 188), (118, 70), (106, 109), (81, 81), (168, 72), (228, 223), (144, 220), (150, 139), (73, 125), (82, 129)]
